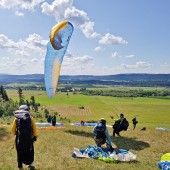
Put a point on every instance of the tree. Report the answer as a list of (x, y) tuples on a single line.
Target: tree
[(3, 94), (28, 104), (21, 97), (34, 104)]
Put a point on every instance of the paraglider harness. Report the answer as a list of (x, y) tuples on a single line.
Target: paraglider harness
[(24, 140), (99, 131), (121, 125)]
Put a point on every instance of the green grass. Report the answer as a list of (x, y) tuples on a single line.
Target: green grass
[(54, 148)]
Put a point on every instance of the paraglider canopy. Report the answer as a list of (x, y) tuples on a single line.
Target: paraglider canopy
[(59, 38), (55, 35)]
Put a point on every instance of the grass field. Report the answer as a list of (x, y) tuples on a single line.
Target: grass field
[(54, 148)]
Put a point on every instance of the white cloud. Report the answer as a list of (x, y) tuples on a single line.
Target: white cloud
[(139, 64), (20, 4), (34, 45), (115, 55), (5, 42), (87, 29), (33, 42), (36, 40), (64, 10), (57, 8), (98, 48), (83, 59), (20, 14), (111, 39), (72, 61), (22, 53), (90, 69), (130, 56), (78, 17), (166, 65), (21, 65), (34, 60)]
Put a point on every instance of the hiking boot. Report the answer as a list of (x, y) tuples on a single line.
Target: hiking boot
[(31, 167)]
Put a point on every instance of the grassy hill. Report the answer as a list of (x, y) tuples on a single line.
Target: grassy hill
[(54, 148)]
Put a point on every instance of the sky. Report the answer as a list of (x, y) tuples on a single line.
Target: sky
[(110, 37)]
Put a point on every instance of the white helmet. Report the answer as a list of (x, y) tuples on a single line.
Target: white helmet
[(23, 107)]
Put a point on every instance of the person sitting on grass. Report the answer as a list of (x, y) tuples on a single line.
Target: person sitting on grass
[(101, 135)]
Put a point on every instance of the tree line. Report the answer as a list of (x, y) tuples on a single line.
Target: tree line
[(127, 93), (7, 105)]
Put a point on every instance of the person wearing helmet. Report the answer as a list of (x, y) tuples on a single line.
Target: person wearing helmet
[(101, 134), (25, 130)]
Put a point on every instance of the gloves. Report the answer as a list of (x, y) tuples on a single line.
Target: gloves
[(34, 138)]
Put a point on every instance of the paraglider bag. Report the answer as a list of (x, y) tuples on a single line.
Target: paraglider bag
[(125, 124), (24, 141), (121, 125)]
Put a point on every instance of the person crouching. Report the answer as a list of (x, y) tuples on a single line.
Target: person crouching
[(101, 134)]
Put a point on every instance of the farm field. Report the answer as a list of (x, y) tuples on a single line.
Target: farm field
[(54, 148)]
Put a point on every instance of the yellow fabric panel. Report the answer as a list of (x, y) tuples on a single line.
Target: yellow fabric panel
[(55, 29), (56, 73), (34, 128), (165, 157), (14, 127)]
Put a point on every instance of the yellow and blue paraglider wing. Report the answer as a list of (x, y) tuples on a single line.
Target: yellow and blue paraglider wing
[(56, 48)]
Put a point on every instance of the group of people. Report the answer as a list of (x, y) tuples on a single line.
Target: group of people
[(24, 128), (101, 134), (51, 119), (122, 124)]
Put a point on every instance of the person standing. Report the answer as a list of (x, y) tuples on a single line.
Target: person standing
[(49, 118), (53, 120), (26, 134), (134, 121), (120, 124)]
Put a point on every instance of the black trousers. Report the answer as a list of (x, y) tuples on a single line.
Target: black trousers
[(25, 155)]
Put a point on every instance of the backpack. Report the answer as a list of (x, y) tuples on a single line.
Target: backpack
[(99, 131), (125, 124), (121, 125), (24, 141), (23, 130)]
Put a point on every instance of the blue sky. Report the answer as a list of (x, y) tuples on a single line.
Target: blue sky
[(110, 37)]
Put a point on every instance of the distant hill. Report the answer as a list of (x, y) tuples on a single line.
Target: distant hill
[(91, 79)]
